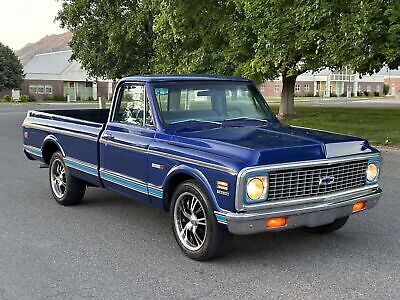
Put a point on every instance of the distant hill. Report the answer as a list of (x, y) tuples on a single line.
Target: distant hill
[(50, 43)]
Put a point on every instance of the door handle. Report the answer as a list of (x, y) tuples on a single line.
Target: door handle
[(107, 136)]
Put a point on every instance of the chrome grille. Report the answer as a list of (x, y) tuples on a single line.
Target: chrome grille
[(306, 181)]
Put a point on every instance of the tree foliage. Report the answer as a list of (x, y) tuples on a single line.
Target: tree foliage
[(111, 38), (191, 37), (11, 72), (259, 39)]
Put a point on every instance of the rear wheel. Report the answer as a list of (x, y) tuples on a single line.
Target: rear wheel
[(328, 228), (194, 224), (66, 189)]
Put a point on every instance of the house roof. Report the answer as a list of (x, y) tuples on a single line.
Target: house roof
[(387, 72), (49, 63)]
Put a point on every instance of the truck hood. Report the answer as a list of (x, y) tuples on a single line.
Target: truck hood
[(272, 143)]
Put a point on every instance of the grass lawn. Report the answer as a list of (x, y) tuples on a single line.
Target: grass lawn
[(381, 126)]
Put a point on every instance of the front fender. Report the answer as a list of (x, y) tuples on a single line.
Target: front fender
[(198, 176)]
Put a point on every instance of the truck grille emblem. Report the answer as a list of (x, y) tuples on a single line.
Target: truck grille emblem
[(327, 180)]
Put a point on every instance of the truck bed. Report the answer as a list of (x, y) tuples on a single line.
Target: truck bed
[(74, 131)]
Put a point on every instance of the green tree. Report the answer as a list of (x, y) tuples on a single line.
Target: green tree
[(111, 38), (296, 36), (259, 39), (11, 72), (369, 35), (292, 37), (191, 37)]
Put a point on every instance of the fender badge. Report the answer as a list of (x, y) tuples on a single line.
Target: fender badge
[(157, 166), (224, 193)]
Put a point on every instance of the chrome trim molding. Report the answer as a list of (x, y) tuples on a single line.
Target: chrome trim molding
[(240, 185), (171, 156), (311, 163), (53, 139), (33, 150), (52, 129), (131, 183), (114, 177), (81, 166), (35, 113), (221, 217)]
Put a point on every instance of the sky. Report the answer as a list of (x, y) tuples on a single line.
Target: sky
[(27, 21)]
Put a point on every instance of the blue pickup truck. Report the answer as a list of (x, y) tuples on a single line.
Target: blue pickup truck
[(211, 152)]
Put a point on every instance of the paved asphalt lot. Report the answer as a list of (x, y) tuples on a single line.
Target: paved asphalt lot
[(110, 247)]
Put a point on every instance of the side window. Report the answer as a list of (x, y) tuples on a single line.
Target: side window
[(131, 105), (149, 115)]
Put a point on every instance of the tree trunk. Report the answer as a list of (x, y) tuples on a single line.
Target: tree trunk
[(286, 108)]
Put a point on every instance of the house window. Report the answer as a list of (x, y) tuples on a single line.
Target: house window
[(277, 88), (32, 89), (40, 89), (48, 89), (71, 84), (297, 88), (369, 88), (306, 87), (378, 88), (89, 84)]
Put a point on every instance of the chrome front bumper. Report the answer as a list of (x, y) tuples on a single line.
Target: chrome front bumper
[(317, 213)]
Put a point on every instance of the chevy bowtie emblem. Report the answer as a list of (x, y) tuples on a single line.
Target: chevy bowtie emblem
[(327, 180)]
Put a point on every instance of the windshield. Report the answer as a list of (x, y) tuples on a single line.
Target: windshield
[(210, 101)]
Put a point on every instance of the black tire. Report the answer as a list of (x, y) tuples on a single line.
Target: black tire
[(216, 240), (72, 190), (328, 228)]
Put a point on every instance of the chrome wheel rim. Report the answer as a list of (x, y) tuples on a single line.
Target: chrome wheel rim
[(190, 221), (58, 178)]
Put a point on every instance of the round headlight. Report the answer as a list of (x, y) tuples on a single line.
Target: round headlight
[(372, 172), (256, 188)]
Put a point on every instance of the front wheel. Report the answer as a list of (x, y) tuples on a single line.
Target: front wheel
[(194, 225), (66, 189), (328, 228)]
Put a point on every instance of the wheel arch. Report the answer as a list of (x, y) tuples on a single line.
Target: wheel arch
[(49, 147), (182, 173)]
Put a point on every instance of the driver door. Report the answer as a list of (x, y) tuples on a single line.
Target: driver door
[(125, 141)]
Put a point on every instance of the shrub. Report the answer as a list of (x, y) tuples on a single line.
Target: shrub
[(333, 94), (59, 98), (90, 98), (385, 89), (366, 93), (376, 94), (7, 98), (359, 93), (24, 98), (344, 94)]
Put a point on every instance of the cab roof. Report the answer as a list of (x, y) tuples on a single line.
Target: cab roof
[(172, 78)]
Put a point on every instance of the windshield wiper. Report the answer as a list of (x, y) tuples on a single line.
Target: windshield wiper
[(245, 119), (194, 121)]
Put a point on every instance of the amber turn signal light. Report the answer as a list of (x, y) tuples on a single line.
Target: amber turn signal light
[(359, 206), (276, 222)]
